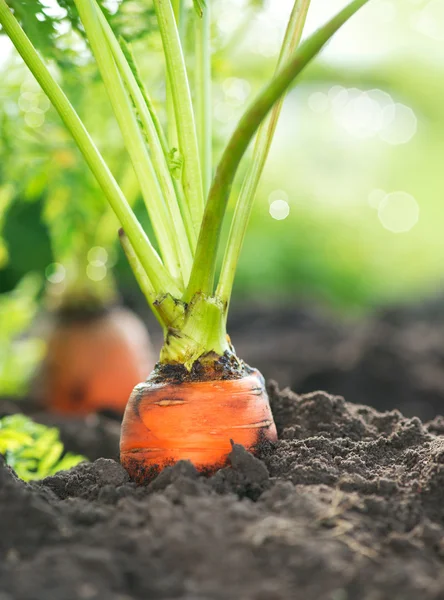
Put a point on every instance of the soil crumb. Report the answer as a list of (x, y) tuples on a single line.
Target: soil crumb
[(348, 505)]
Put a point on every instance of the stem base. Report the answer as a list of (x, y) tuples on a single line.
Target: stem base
[(197, 333)]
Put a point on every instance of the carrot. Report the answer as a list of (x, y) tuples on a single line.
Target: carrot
[(195, 420), (93, 362), (200, 395)]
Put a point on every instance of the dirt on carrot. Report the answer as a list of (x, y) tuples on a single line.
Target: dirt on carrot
[(347, 506), (93, 361)]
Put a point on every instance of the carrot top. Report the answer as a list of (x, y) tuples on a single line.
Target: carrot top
[(186, 200)]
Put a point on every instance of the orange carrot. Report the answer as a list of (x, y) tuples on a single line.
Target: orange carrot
[(93, 363), (216, 398), (196, 420)]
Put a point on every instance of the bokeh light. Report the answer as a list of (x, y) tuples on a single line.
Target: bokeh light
[(398, 212), (97, 256), (96, 272), (55, 273), (318, 102), (400, 126), (279, 209)]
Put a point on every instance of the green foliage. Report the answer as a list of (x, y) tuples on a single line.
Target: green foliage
[(34, 451), (71, 205), (18, 355), (332, 246), (38, 24), (43, 24)]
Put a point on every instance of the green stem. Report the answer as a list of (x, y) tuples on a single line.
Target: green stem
[(185, 211), (157, 273), (262, 146), (131, 134), (186, 130), (179, 15), (105, 230), (196, 333), (141, 277), (169, 102), (170, 116), (203, 94), (130, 59), (161, 167), (204, 266)]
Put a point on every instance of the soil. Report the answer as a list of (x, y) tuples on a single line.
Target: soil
[(393, 358), (209, 367), (349, 504)]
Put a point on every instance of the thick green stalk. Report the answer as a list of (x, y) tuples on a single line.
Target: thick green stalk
[(262, 146), (157, 273), (131, 134), (179, 10), (203, 93), (161, 167), (105, 232), (198, 332), (179, 14), (185, 211), (130, 59), (170, 116), (141, 277), (186, 130), (204, 266)]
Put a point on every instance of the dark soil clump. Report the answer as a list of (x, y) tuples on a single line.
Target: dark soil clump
[(348, 505)]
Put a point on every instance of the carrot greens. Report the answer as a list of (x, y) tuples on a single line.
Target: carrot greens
[(262, 146), (203, 90), (185, 200)]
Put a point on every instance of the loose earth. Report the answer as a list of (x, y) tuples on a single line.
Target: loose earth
[(349, 504)]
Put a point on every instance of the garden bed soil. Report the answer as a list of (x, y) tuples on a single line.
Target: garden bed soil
[(393, 358), (349, 504)]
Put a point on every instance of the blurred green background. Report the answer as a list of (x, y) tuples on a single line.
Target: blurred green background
[(350, 210)]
